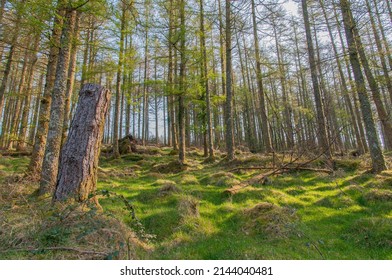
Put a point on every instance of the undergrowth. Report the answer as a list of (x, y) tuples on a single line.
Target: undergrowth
[(155, 208)]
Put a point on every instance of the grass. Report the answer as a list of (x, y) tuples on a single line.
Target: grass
[(185, 214)]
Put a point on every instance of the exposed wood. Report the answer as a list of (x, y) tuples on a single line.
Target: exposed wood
[(77, 176)]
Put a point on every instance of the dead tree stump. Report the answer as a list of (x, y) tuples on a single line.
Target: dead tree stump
[(77, 176)]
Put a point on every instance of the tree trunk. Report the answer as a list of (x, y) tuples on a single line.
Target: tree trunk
[(77, 176), (322, 130), (53, 144), (116, 120), (263, 106), (36, 160), (378, 162), (71, 78), (382, 112), (26, 109), (181, 97), (229, 93), (204, 74), (10, 57)]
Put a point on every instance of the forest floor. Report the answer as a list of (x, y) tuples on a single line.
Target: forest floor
[(152, 209)]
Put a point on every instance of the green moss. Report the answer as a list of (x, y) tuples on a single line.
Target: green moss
[(371, 232), (347, 165), (303, 215)]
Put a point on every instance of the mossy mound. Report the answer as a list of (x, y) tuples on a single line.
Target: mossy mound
[(149, 150), (378, 195), (347, 165), (168, 189), (171, 167), (270, 221), (132, 157), (221, 179), (126, 172), (66, 232), (188, 179), (336, 202), (188, 206), (371, 232), (296, 191)]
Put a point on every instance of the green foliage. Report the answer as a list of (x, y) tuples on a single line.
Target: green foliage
[(186, 215)]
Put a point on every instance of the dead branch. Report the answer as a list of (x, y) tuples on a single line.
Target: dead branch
[(286, 168)]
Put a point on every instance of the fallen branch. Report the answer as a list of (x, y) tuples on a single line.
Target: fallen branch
[(286, 168), (294, 168), (235, 189)]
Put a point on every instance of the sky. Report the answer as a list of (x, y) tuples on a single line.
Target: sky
[(291, 7)]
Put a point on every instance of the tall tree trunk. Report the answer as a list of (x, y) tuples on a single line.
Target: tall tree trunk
[(145, 128), (204, 74), (263, 106), (378, 162), (53, 144), (71, 78), (382, 112), (170, 81), (361, 146), (36, 160), (11, 53), (229, 93), (26, 109), (380, 48), (116, 152), (322, 130), (181, 97)]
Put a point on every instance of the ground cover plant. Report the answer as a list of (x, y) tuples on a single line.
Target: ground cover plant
[(186, 214)]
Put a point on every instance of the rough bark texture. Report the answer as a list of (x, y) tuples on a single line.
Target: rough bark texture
[(322, 131), (53, 144), (378, 162), (181, 97), (77, 176), (260, 87), (229, 94), (35, 165)]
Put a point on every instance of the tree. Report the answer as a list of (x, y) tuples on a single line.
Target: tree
[(205, 83), (229, 92), (182, 80), (263, 108), (378, 162), (322, 130), (53, 144), (77, 176)]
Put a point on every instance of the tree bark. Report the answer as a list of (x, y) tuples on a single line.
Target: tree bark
[(260, 87), (378, 162), (53, 144), (181, 97), (229, 93), (204, 74), (77, 176), (36, 160), (322, 130)]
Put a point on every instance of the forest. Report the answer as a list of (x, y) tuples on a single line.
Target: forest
[(200, 129)]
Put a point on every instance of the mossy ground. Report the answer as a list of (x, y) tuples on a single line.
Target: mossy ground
[(302, 215)]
